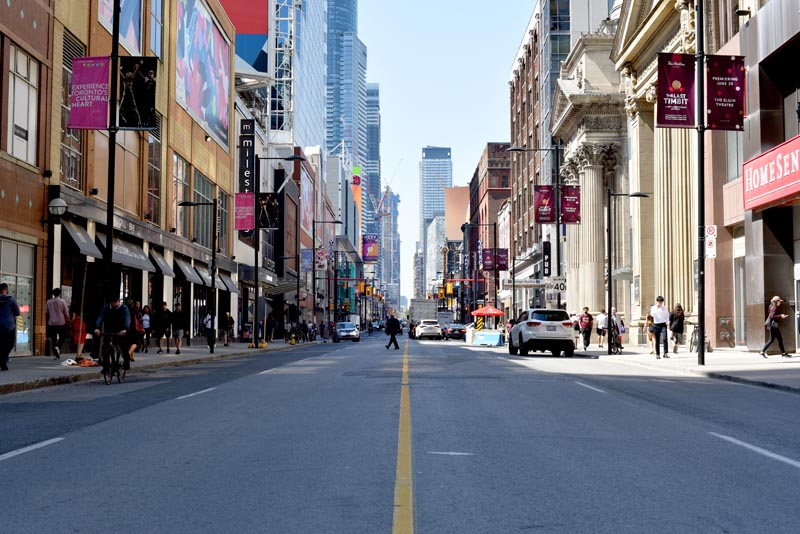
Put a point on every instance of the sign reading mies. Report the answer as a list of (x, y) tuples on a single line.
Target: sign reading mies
[(773, 176)]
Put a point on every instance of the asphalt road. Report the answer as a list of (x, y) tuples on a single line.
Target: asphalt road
[(307, 441)]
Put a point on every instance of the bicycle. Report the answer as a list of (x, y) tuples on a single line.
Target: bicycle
[(694, 344), (113, 361)]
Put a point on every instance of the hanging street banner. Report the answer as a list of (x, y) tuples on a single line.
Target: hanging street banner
[(306, 260), (676, 96), (725, 84), (89, 99), (137, 98), (370, 248), (502, 259), (571, 204), (244, 217), (487, 258), (321, 259), (544, 204)]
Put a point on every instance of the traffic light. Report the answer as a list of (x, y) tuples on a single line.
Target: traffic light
[(449, 288), (369, 291), (441, 292), (361, 287)]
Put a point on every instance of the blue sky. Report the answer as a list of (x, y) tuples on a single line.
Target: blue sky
[(443, 67)]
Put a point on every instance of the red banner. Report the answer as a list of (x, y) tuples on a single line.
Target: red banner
[(544, 204), (487, 258), (676, 76), (773, 176), (571, 204), (725, 85), (244, 214), (502, 259)]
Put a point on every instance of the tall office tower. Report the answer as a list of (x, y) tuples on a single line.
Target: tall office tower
[(311, 73), (419, 273), (435, 174), (346, 95), (390, 238), (371, 172)]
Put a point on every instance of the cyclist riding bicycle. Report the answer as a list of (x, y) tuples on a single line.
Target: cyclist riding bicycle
[(115, 318)]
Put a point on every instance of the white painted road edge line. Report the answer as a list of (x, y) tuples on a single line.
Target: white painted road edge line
[(267, 371), (451, 453), (29, 448), (759, 450), (591, 387), (195, 393)]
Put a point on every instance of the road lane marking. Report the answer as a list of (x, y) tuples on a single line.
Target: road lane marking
[(403, 518), (591, 387), (29, 448), (267, 371), (759, 450), (451, 453), (196, 393)]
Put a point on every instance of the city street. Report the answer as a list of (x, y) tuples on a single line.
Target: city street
[(437, 437)]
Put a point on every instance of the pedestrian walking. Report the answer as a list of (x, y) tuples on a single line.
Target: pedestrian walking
[(392, 328), (576, 327), (227, 328), (601, 326), (180, 325), (676, 326), (660, 320), (9, 311), (162, 326), (585, 321), (651, 336), (147, 315), (773, 323), (57, 320)]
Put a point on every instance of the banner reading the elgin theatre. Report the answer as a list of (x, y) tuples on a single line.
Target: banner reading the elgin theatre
[(676, 96), (725, 84), (370, 248), (571, 204)]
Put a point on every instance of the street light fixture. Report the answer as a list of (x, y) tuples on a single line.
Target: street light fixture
[(610, 248), (556, 149), (314, 269), (212, 332)]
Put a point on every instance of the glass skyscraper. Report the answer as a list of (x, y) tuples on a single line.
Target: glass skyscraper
[(372, 161), (435, 174), (310, 75)]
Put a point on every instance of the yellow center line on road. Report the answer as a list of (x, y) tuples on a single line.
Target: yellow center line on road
[(403, 520)]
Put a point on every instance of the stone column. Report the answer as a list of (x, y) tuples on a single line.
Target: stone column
[(592, 253)]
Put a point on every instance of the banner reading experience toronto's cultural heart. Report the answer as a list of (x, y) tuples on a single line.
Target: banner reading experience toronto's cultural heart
[(570, 204), (89, 101), (676, 96), (544, 204), (725, 93)]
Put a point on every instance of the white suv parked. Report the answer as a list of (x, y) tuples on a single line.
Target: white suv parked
[(429, 328), (542, 329)]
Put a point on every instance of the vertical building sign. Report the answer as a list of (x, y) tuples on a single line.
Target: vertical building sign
[(676, 95), (546, 258), (245, 209), (725, 77), (570, 204), (544, 201)]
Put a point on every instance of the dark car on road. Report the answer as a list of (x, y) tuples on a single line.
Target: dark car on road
[(455, 331)]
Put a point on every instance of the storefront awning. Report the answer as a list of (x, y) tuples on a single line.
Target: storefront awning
[(188, 273), (127, 254), (229, 283), (203, 272), (81, 238), (162, 264), (284, 285)]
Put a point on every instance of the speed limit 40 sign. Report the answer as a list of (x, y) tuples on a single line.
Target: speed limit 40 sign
[(711, 241)]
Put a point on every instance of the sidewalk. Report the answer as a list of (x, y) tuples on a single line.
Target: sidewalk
[(726, 364), (31, 372)]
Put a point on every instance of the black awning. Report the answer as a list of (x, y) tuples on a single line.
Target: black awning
[(283, 285), (162, 264), (204, 276), (81, 238), (229, 283), (127, 254), (187, 271)]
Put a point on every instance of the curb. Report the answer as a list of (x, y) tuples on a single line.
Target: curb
[(709, 374), (38, 383)]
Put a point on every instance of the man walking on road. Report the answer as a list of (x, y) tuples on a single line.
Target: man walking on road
[(57, 320), (392, 328), (660, 315), (585, 323)]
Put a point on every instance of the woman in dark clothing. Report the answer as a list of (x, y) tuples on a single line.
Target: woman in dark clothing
[(774, 330), (676, 326)]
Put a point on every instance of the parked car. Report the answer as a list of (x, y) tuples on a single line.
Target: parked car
[(347, 330), (429, 328), (455, 331), (541, 330)]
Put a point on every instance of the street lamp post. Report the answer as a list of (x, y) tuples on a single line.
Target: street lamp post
[(314, 269), (609, 251), (212, 332)]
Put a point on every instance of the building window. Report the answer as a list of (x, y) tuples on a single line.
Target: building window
[(224, 201), (203, 192), (17, 270), (156, 25), (504, 180), (734, 154), (153, 210), (23, 100), (71, 168), (180, 179)]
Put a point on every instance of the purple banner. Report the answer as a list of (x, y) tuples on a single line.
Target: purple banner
[(675, 107), (725, 93), (370, 248), (487, 258), (544, 203), (89, 101), (244, 214), (571, 204), (502, 259), (306, 260)]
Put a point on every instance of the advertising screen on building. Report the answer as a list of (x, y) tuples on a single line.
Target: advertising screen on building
[(130, 22), (251, 19), (202, 84)]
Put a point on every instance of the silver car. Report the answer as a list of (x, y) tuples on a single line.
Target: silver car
[(347, 330), (542, 329)]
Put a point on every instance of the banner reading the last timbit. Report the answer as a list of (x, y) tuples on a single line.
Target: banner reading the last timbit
[(544, 204), (137, 99), (675, 90), (570, 204), (725, 86)]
